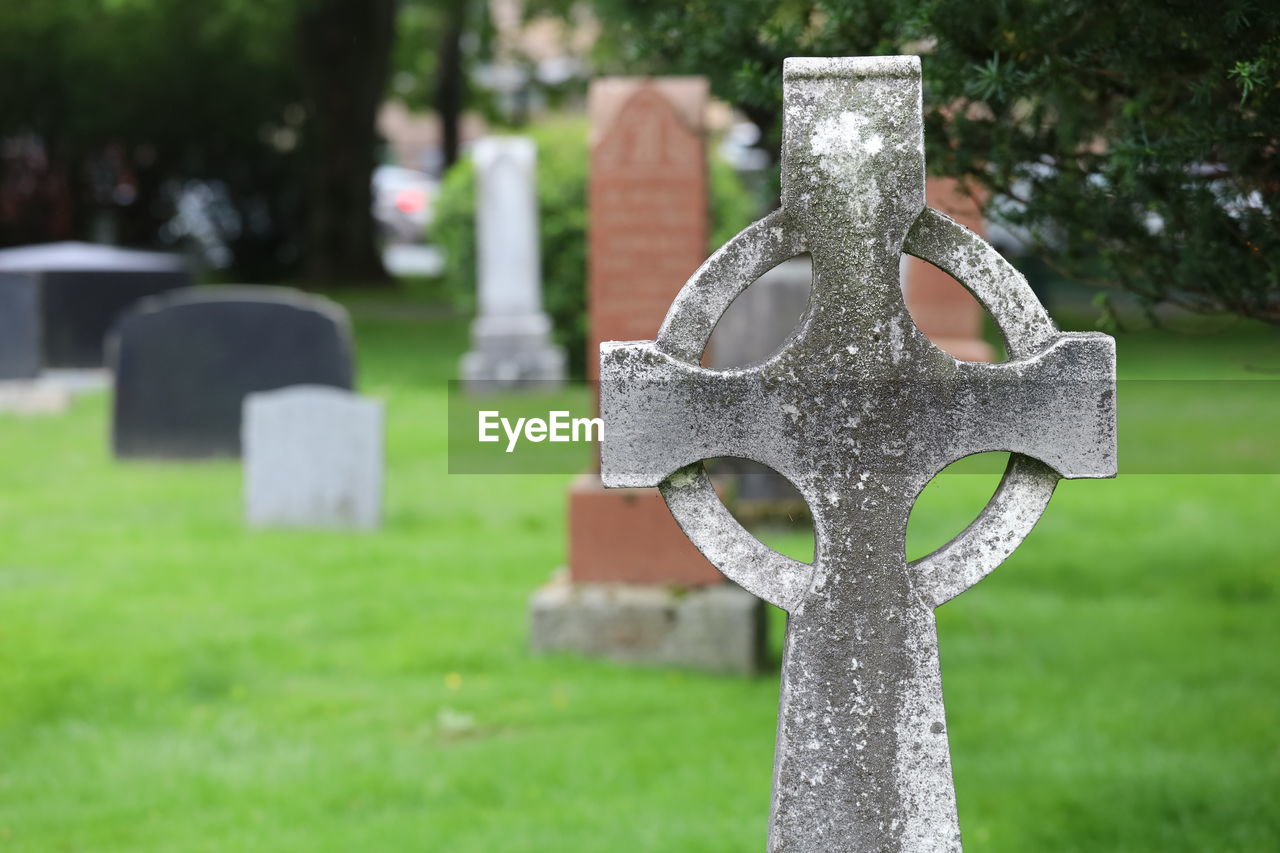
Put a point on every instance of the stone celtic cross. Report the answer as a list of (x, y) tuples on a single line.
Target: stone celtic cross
[(859, 410)]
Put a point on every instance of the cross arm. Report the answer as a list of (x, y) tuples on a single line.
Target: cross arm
[(1057, 406), (661, 414), (662, 417), (1056, 409)]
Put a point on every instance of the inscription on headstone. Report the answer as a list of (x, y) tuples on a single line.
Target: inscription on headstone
[(859, 411), (313, 457), (646, 202), (511, 335), (184, 363)]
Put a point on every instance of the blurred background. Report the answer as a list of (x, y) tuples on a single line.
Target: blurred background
[(174, 679)]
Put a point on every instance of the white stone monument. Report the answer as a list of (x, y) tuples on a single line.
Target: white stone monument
[(313, 457), (511, 336)]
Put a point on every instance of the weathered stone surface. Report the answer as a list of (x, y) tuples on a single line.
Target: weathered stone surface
[(313, 457), (859, 410), (81, 289), (184, 363), (511, 335), (717, 628), (754, 327)]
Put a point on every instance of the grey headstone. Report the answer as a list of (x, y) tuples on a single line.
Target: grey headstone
[(511, 335), (184, 363), (313, 457), (19, 327), (859, 410), (81, 290), (754, 327), (763, 316)]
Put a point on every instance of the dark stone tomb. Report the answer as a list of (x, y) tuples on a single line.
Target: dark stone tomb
[(80, 289)]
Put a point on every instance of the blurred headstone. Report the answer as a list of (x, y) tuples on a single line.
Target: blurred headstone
[(946, 312), (313, 457), (763, 316), (185, 362), (628, 561), (511, 335), (19, 327), (80, 289), (755, 326)]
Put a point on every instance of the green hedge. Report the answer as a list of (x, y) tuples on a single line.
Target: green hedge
[(562, 195)]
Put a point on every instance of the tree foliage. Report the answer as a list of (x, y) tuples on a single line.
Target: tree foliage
[(152, 94), (1138, 143)]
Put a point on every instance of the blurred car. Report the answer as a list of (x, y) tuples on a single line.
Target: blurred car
[(740, 148), (402, 202)]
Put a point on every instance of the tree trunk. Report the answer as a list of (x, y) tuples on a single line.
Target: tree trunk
[(344, 49), (450, 82)]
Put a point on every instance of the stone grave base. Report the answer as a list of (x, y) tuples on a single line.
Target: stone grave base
[(510, 352), (488, 370), (718, 628), (34, 397), (78, 380)]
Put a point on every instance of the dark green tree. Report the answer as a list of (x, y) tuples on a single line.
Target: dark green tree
[(1137, 142), (432, 63), (272, 99), (344, 48), (163, 91)]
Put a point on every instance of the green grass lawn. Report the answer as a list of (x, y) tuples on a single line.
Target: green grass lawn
[(172, 682)]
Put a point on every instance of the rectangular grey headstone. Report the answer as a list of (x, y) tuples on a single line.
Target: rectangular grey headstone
[(19, 327), (313, 457), (756, 326)]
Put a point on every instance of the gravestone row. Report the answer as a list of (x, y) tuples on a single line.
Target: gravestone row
[(261, 372)]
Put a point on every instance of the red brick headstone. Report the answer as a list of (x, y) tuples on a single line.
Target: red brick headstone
[(946, 312), (648, 232)]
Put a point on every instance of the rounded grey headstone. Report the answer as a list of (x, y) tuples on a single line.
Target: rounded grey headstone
[(185, 362)]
